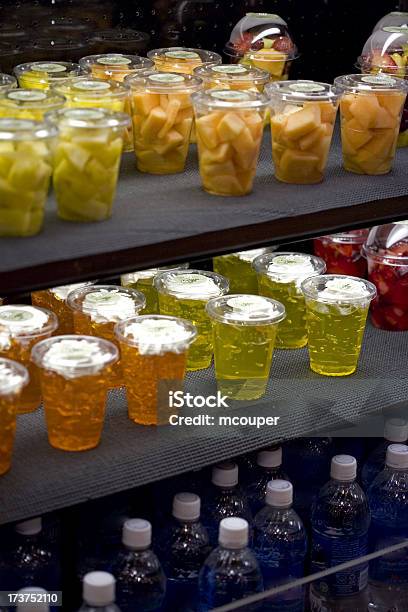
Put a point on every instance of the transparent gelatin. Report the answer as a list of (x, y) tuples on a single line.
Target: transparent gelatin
[(29, 103), (87, 161), (55, 299), (386, 251), (44, 75), (154, 351), (342, 252), (336, 313), (7, 82), (244, 333), (13, 378), (182, 59), (279, 277), (75, 374), (184, 294), (26, 162), (237, 268), (21, 327)]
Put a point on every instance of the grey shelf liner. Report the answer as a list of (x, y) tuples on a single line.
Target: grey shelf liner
[(43, 479)]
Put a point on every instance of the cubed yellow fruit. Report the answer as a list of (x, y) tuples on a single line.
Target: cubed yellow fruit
[(216, 155), (346, 101), (354, 135), (206, 128), (278, 125), (230, 126), (365, 109), (384, 120), (311, 139), (255, 124), (392, 103), (270, 60), (184, 127), (297, 166), (172, 140), (327, 112), (171, 117), (303, 122), (224, 185), (144, 103), (154, 123)]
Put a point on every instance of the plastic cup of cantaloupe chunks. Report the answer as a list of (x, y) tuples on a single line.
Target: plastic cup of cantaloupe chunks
[(87, 160), (43, 75), (229, 128), (26, 156), (182, 59), (303, 114), (29, 103), (370, 109), (162, 120)]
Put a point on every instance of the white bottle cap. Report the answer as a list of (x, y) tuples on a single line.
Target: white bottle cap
[(98, 589), (137, 534), (396, 430), (27, 605), (225, 474), (31, 527), (233, 532), (397, 456), (270, 458), (186, 506), (279, 493), (343, 467)]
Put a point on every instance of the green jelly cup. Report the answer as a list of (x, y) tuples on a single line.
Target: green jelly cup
[(237, 267), (336, 312), (244, 334)]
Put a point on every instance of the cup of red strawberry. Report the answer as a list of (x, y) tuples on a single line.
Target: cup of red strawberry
[(342, 252)]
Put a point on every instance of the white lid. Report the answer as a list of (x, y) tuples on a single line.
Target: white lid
[(270, 458), (397, 456), (279, 493), (30, 527), (225, 474), (343, 467), (396, 430), (137, 534), (27, 605), (186, 506), (233, 532), (98, 589)]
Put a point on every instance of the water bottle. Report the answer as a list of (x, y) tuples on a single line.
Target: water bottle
[(38, 606), (280, 545), (224, 499), (231, 571), (395, 431), (185, 547), (269, 467), (388, 499), (141, 583), (98, 592), (340, 523)]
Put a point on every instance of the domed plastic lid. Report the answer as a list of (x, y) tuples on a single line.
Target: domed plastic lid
[(191, 284), (163, 82), (229, 98), (183, 56), (354, 237), (86, 118), (25, 129), (150, 273), (297, 91), (49, 70), (20, 99), (7, 82), (388, 243), (258, 31), (226, 74), (87, 87), (386, 50), (367, 83), (13, 377), (395, 18), (115, 62), (244, 309)]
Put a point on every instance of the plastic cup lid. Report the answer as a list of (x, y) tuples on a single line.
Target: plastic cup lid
[(98, 588), (13, 376), (396, 430), (242, 309), (397, 456), (270, 458), (225, 475), (230, 98), (300, 90), (191, 284), (233, 532), (156, 334), (137, 534), (344, 468), (279, 493), (338, 288), (186, 506), (367, 83), (25, 129)]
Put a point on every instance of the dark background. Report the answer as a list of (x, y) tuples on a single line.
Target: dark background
[(329, 33)]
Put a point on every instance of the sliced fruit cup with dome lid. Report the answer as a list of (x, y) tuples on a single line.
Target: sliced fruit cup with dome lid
[(303, 114), (342, 252), (87, 161), (43, 75), (7, 82), (21, 327), (26, 160), (370, 111), (162, 120), (386, 251), (229, 128), (13, 378), (29, 103)]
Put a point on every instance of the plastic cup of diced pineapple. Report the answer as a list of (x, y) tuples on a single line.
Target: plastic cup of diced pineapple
[(29, 103), (370, 108), (162, 119), (87, 160), (229, 133), (7, 82), (26, 153), (43, 75), (303, 114)]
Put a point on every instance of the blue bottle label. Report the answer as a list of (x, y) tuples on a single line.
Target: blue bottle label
[(328, 552), (392, 568)]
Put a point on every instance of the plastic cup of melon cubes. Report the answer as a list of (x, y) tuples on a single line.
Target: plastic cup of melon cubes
[(7, 82), (29, 103), (229, 127), (182, 59), (26, 154), (303, 114), (162, 120), (43, 75), (370, 108), (87, 161), (232, 76)]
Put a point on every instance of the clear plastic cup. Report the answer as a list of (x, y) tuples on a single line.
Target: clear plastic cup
[(280, 276), (55, 299), (87, 161), (182, 59), (303, 114), (232, 76), (7, 82), (87, 92), (13, 378), (237, 268), (395, 18), (370, 109), (26, 156), (244, 331), (229, 126), (29, 103), (336, 313), (143, 280), (162, 120), (184, 294), (42, 75), (154, 352), (75, 375), (342, 252), (21, 327)]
